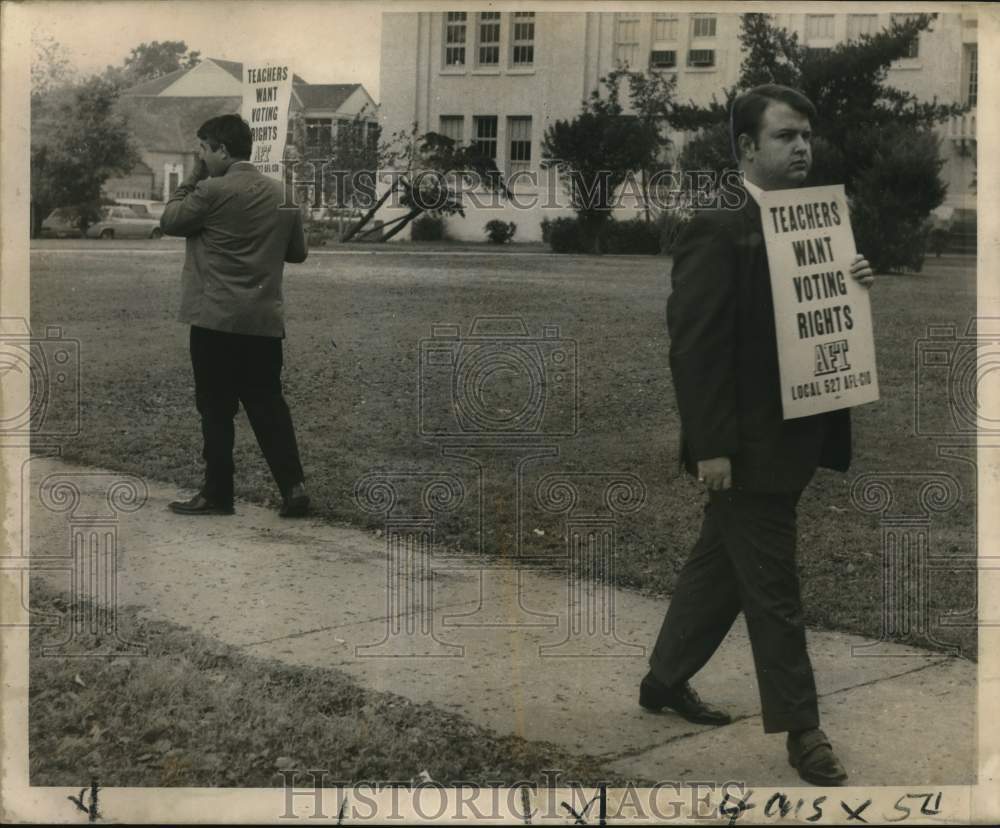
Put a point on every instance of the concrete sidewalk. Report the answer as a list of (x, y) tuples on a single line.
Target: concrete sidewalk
[(455, 635)]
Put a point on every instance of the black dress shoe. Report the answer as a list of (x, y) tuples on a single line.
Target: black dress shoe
[(811, 754), (296, 504), (655, 695), (200, 505)]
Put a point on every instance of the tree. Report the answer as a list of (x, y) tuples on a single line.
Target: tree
[(78, 141), (429, 173), (50, 68), (149, 61), (596, 151), (857, 109)]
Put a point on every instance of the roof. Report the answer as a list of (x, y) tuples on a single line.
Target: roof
[(234, 68), (156, 85), (326, 95), (170, 124)]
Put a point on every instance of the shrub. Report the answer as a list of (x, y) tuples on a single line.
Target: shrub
[(631, 236), (500, 232), (546, 230), (893, 198), (427, 228), (564, 235)]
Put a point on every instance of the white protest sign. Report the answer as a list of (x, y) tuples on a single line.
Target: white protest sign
[(826, 347), (267, 90)]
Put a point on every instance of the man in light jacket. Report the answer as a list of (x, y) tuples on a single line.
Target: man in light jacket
[(238, 238)]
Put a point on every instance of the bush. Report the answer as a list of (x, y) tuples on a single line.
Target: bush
[(500, 232), (893, 199), (427, 228), (564, 235), (631, 236)]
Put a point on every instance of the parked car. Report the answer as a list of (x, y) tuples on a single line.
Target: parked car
[(144, 207), (61, 223), (121, 222)]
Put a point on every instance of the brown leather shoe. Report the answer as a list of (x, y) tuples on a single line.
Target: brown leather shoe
[(200, 505), (655, 695), (296, 504), (811, 754)]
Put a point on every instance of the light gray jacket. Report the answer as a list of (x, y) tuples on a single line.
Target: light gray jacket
[(238, 239)]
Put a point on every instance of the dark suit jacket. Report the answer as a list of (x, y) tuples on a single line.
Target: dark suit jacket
[(238, 239), (724, 360)]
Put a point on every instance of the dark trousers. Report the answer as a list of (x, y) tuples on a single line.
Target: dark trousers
[(744, 559), (230, 369)]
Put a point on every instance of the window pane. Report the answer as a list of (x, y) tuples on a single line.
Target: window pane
[(914, 50), (973, 87), (523, 39), (451, 127), (489, 38), (819, 26), (861, 24), (703, 26), (454, 38), (627, 39), (662, 58), (664, 27), (519, 135), (485, 130), (701, 57)]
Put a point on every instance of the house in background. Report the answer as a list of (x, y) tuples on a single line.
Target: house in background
[(500, 79), (165, 113)]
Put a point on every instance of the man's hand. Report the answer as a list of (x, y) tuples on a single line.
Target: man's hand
[(862, 271), (716, 474), (198, 173)]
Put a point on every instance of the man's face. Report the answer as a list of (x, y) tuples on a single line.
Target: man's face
[(783, 154), (217, 160)]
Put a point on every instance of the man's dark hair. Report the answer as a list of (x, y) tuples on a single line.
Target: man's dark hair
[(748, 111), (230, 130)]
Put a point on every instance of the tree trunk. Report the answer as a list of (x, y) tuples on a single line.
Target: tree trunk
[(368, 216)]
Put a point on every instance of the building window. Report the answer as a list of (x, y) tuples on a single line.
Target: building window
[(662, 59), (319, 133), (452, 126), (484, 128), (627, 39), (703, 25), (519, 136), (861, 24), (522, 41), (914, 50), (489, 39), (664, 27), (701, 58), (454, 39), (819, 27), (972, 70)]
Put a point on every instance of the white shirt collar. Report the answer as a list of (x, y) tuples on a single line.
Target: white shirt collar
[(753, 189)]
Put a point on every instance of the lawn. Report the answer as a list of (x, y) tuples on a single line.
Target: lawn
[(197, 713), (355, 324)]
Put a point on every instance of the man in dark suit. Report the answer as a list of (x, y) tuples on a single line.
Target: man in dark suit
[(754, 463), (238, 238)]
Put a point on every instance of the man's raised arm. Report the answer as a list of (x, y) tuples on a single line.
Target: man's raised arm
[(188, 206)]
